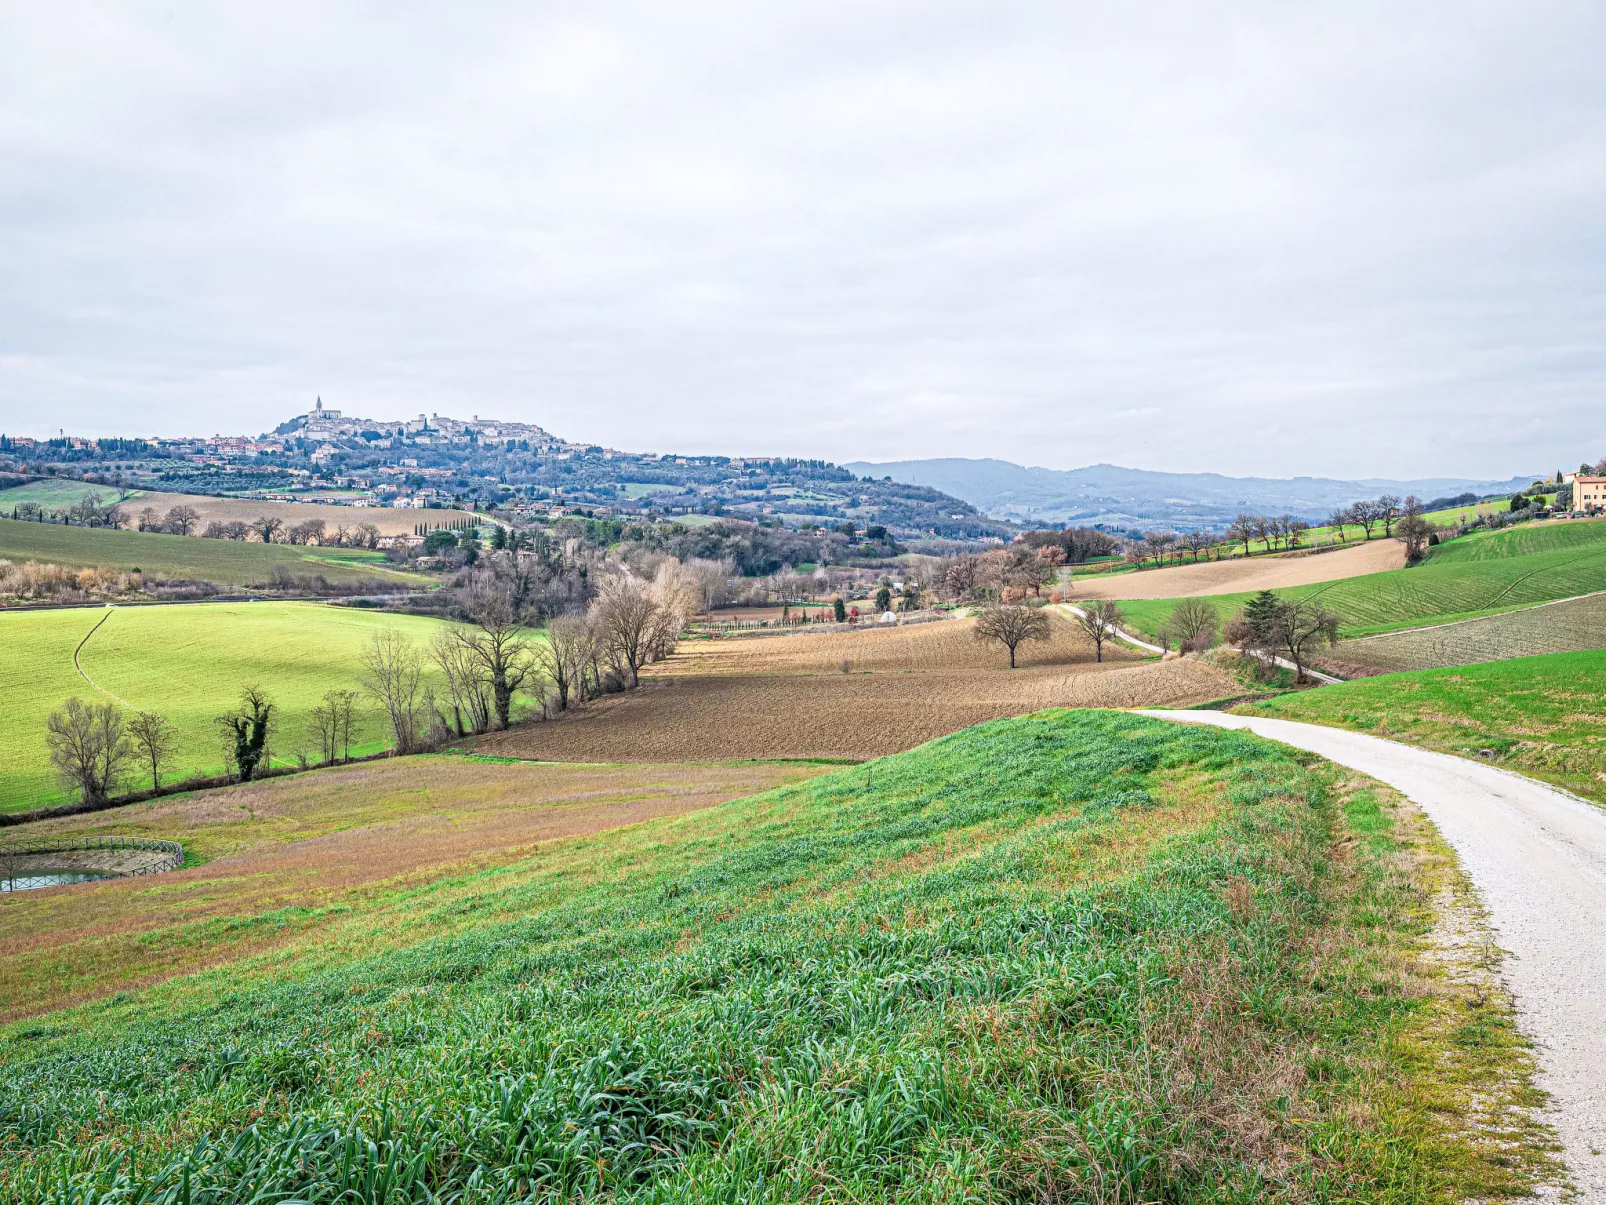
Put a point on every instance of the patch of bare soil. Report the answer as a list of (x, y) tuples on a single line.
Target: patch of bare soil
[(726, 716), (1254, 573), (927, 647), (391, 520)]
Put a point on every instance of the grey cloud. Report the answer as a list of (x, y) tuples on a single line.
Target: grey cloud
[(1355, 240)]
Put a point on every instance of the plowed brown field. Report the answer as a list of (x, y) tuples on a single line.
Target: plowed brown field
[(291, 857), (857, 715), (943, 646), (391, 520), (1254, 573)]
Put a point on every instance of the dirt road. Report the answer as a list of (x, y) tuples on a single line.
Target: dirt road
[(1232, 577), (1538, 858)]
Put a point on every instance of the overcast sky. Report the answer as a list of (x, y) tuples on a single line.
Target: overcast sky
[(1342, 239)]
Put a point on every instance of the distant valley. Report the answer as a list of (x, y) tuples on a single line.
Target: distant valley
[(1121, 497)]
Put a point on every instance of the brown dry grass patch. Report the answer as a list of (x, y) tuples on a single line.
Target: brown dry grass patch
[(297, 854)]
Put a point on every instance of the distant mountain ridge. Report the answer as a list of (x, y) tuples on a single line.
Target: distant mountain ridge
[(1121, 497)]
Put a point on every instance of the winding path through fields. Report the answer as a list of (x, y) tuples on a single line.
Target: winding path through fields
[(78, 665), (1538, 859)]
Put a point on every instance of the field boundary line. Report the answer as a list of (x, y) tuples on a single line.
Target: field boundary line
[(78, 665), (1432, 627), (1536, 572)]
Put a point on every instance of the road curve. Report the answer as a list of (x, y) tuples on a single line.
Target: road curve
[(1538, 859)]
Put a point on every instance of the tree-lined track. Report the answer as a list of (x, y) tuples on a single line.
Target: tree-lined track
[(1477, 574), (1242, 574)]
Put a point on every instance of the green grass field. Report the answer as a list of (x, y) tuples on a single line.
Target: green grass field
[(54, 494), (187, 663), (1574, 625), (222, 562), (1076, 956), (1478, 574), (1539, 715)]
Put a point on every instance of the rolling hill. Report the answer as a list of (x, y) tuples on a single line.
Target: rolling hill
[(1106, 493), (1075, 956), (1478, 574)]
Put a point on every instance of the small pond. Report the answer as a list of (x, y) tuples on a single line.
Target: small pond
[(52, 878)]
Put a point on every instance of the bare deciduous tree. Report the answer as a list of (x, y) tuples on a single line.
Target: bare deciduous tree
[(1011, 625), (1414, 532), (266, 527), (1365, 514), (468, 685), (1388, 510), (311, 531), (1241, 530), (500, 646), (1339, 520), (569, 650), (88, 747), (1193, 622), (332, 720), (963, 574), (1296, 624), (154, 741), (392, 670), (1099, 620), (181, 520), (640, 621)]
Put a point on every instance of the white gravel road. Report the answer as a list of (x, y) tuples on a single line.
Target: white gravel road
[(1538, 859)]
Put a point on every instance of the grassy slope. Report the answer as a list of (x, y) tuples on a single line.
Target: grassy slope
[(224, 562), (1540, 715), (56, 493), (187, 663), (1478, 574), (279, 862), (1076, 956), (1571, 626)]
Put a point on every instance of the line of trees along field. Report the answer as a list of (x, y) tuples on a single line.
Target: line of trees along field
[(601, 628)]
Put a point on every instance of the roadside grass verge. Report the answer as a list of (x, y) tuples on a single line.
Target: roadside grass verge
[(1540, 715), (1480, 574), (1075, 956), (188, 664), (190, 558)]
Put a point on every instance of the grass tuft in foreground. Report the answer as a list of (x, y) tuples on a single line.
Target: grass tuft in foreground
[(1077, 956)]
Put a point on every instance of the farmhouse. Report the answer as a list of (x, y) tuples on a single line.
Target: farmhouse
[(1589, 493)]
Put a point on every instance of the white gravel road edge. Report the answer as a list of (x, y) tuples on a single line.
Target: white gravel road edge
[(1537, 857)]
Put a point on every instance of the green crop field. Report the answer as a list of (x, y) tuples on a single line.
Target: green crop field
[(1076, 956), (187, 663), (222, 562), (1477, 574), (55, 494), (1540, 715), (1571, 626)]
